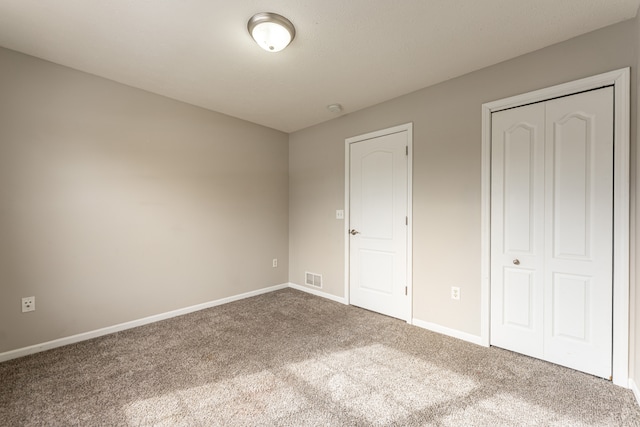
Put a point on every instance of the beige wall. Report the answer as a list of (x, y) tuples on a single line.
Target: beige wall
[(446, 172), (116, 204)]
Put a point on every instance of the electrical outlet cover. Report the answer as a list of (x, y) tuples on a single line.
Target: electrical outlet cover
[(28, 304)]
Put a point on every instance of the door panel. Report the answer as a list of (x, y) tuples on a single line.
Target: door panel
[(519, 144), (518, 300), (378, 211), (570, 184), (376, 271), (376, 194), (571, 306)]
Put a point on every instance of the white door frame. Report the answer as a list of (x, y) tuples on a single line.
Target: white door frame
[(408, 127), (619, 79)]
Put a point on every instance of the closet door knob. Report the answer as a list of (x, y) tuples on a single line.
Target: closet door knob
[(516, 261)]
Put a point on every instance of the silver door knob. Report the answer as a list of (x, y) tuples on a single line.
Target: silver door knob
[(516, 261), (354, 232)]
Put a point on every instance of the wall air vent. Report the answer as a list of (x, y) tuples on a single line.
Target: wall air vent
[(313, 279)]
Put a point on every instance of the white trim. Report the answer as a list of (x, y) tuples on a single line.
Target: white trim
[(621, 229), (634, 387), (347, 225), (25, 351), (407, 127), (485, 230), (620, 81), (410, 222), (434, 327), (317, 293)]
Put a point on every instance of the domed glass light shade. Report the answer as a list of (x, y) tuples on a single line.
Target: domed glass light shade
[(271, 31)]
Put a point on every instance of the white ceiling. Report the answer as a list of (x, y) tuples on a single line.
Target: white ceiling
[(353, 52)]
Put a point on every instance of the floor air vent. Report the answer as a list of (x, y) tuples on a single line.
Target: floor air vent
[(313, 279)]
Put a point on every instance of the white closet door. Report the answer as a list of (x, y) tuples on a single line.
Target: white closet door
[(517, 229), (551, 230), (579, 232)]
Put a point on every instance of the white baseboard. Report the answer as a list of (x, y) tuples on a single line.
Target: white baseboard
[(420, 323), (317, 293), (634, 387), (475, 339), (25, 351)]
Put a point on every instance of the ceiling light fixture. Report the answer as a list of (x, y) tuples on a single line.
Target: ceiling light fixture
[(271, 31)]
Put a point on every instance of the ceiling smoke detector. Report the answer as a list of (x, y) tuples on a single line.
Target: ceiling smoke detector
[(335, 108)]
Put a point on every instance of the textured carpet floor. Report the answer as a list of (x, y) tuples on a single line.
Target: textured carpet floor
[(291, 359)]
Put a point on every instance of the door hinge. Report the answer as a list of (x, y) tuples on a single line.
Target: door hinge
[(406, 290), (406, 220), (406, 150)]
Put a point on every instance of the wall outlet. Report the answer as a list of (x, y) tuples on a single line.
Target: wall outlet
[(455, 292), (339, 214), (275, 262), (28, 304)]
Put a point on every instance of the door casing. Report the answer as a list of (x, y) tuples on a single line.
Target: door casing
[(619, 79), (408, 127)]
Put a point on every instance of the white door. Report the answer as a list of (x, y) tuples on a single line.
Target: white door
[(517, 229), (378, 187), (551, 230)]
